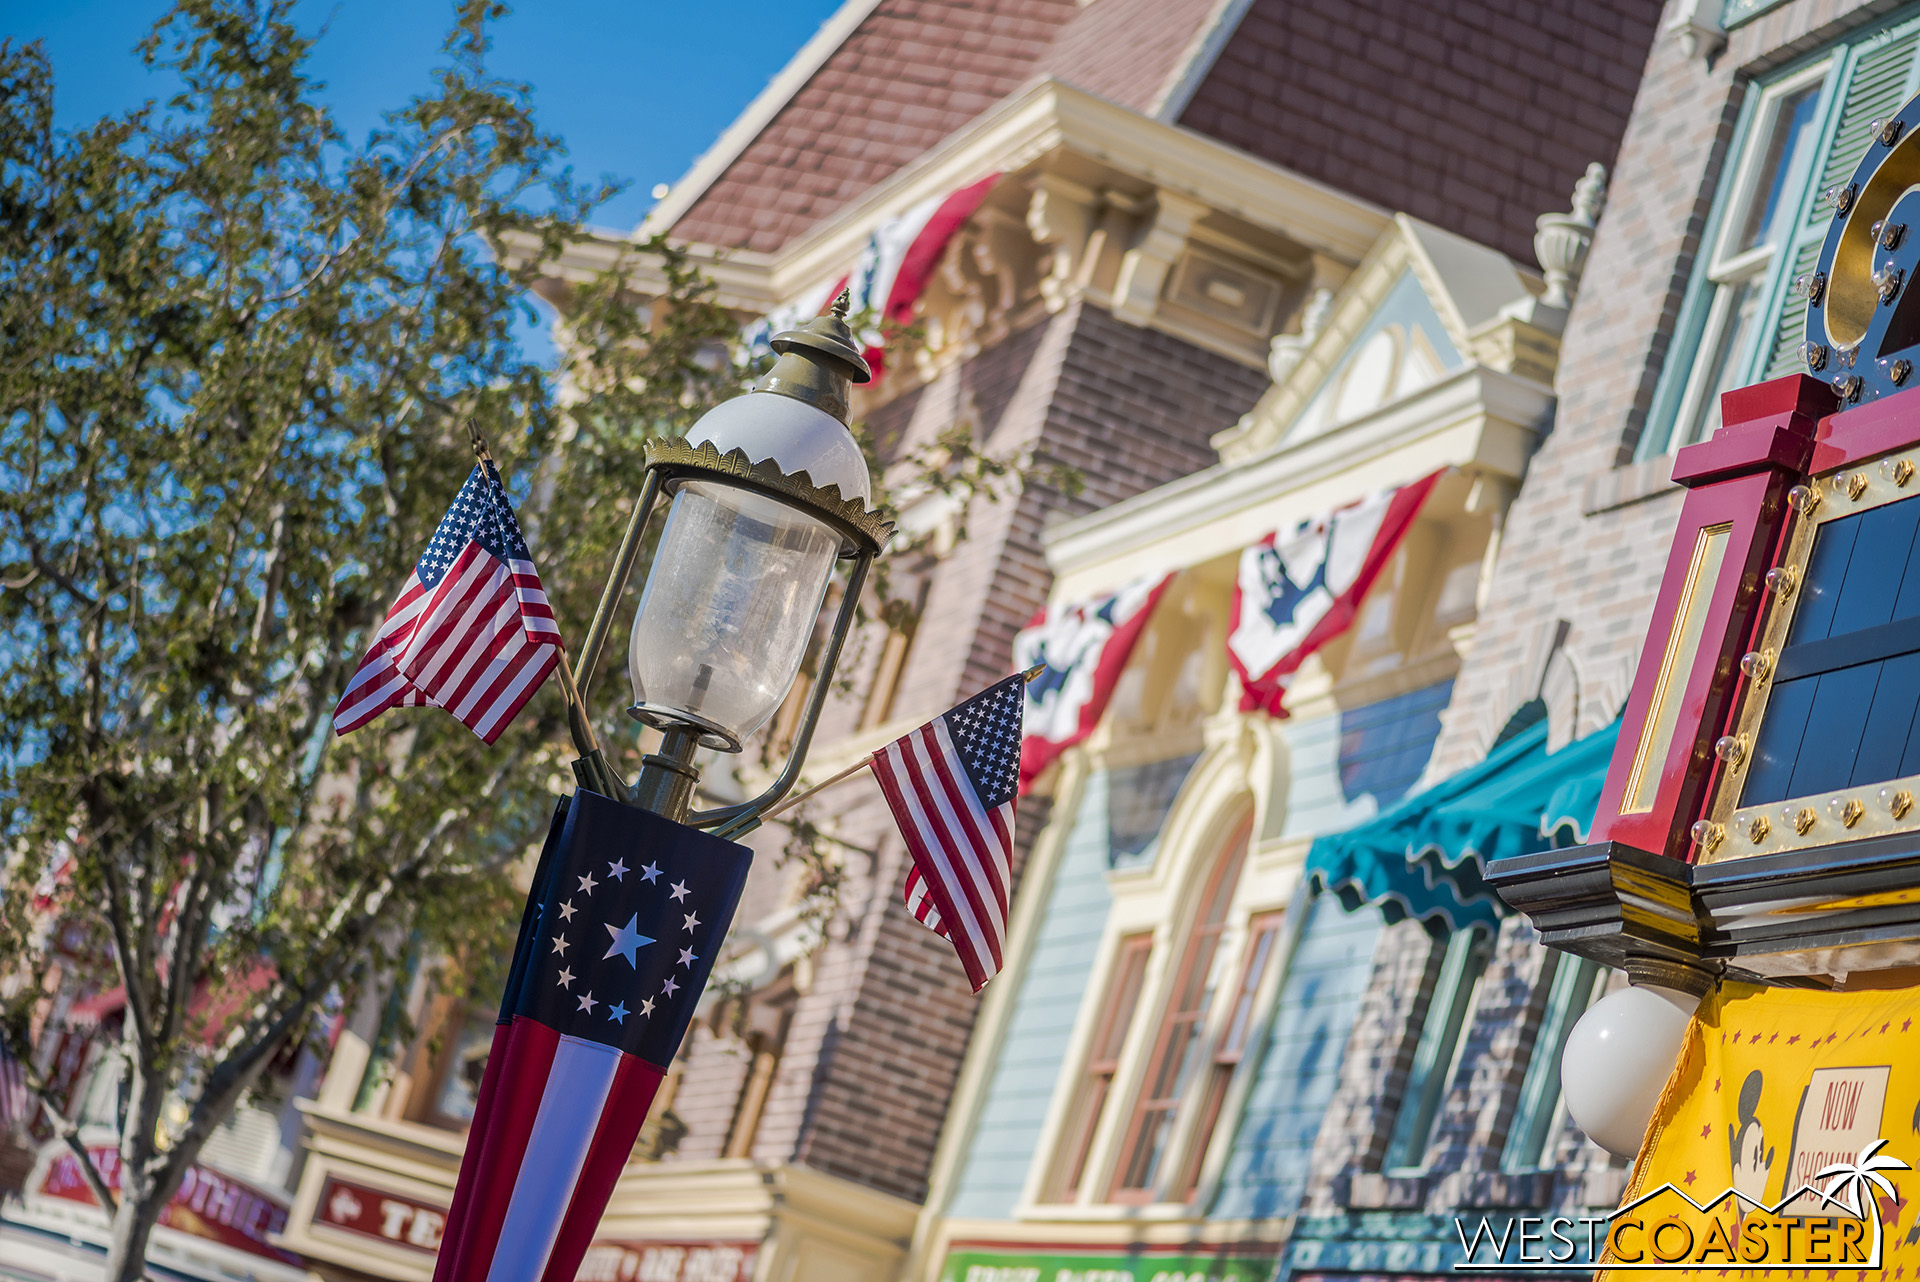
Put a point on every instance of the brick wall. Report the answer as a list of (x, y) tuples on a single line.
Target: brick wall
[(1586, 538), (1584, 547), (878, 1036), (1475, 116)]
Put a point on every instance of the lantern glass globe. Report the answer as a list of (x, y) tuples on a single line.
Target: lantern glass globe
[(728, 609)]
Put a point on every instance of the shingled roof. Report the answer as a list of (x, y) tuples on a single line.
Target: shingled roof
[(1470, 118), (909, 74)]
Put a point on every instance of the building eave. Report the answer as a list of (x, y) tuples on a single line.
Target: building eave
[(1477, 418)]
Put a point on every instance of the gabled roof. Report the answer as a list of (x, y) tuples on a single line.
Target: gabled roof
[(1434, 292), (886, 81)]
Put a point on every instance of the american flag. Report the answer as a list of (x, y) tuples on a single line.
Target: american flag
[(472, 631), (627, 915), (951, 786)]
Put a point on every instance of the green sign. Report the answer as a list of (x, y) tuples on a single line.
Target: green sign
[(1142, 1266)]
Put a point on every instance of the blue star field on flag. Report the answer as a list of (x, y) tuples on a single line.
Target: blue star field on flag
[(635, 911), (480, 513), (986, 734)]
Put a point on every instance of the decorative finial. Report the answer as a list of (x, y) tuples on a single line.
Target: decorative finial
[(819, 360), (1590, 193), (480, 450), (1562, 240)]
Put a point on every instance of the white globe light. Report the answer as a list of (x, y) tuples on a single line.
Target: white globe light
[(797, 436), (1617, 1061)]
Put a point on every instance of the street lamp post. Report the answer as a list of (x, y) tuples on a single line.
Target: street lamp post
[(768, 492)]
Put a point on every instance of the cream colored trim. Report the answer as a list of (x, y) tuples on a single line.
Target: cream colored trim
[(1474, 418), (767, 104), (1110, 1232), (1049, 114), (1045, 117), (1197, 62)]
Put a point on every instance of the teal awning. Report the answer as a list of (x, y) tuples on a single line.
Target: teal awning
[(1423, 858)]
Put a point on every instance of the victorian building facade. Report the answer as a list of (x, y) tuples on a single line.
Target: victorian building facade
[(1159, 194), (1748, 113)]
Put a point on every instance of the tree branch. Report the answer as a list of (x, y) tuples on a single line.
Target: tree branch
[(65, 1129)]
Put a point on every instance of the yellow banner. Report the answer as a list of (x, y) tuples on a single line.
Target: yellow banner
[(1784, 1143)]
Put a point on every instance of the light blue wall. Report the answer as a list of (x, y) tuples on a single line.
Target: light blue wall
[(1266, 1170), (1347, 768), (1035, 1045), (1344, 769)]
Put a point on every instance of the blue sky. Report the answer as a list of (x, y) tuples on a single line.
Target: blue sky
[(638, 90)]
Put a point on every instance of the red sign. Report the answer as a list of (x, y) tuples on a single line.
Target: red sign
[(399, 1221), (669, 1262), (207, 1205)]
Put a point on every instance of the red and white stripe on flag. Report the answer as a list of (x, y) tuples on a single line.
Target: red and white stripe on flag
[(472, 631), (951, 786), (1085, 646), (1300, 588)]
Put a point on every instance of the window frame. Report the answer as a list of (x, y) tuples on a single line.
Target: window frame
[(1572, 985), (1464, 958), (1719, 277), (1193, 1022), (1106, 1057), (1265, 936)]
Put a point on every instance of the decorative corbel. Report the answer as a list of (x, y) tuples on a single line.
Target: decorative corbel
[(1696, 25), (1144, 268), (1061, 215)]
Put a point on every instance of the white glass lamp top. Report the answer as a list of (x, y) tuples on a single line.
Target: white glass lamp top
[(794, 435)]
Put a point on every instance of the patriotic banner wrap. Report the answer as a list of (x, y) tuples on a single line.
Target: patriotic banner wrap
[(951, 786), (472, 631), (892, 272), (1084, 647), (619, 936), (1299, 589), (1784, 1140)]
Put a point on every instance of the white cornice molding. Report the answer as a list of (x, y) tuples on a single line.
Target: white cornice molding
[(726, 149), (1044, 117), (1049, 114), (1476, 417), (1198, 60)]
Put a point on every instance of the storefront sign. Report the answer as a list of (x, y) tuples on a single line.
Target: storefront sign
[(998, 1266), (1785, 1140), (208, 1205), (396, 1220), (669, 1262)]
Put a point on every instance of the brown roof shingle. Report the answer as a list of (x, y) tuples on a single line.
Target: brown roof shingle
[(1475, 115), (909, 75)]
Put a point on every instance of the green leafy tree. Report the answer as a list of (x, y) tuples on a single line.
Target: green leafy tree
[(240, 351), (238, 356)]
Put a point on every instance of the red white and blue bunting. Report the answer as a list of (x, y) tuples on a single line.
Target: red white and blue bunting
[(899, 258), (1085, 646), (1300, 588)]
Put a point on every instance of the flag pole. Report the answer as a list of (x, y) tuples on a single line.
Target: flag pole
[(579, 726), (858, 766), (799, 797)]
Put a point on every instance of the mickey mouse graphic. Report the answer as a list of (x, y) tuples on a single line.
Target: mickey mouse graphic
[(1752, 1156)]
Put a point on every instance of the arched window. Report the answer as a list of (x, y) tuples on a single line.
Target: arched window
[(1179, 1048)]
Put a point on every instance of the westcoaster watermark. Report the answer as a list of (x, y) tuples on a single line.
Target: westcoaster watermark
[(1837, 1227)]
